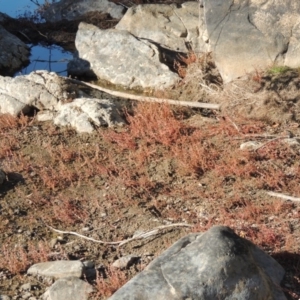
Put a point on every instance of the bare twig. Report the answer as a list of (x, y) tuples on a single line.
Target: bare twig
[(142, 235), (286, 197), (270, 141), (149, 99)]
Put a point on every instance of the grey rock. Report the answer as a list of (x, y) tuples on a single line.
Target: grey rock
[(249, 35), (171, 26), (217, 264), (73, 9), (40, 89), (84, 113), (25, 287), (14, 53), (125, 261), (68, 288), (53, 96), (57, 269), (4, 297), (122, 59), (2, 177)]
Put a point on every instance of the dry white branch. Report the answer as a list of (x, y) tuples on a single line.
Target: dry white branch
[(142, 235), (149, 99), (286, 197)]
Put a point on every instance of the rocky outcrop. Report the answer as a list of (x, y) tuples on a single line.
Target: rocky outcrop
[(122, 59), (217, 264), (178, 28), (57, 99), (73, 9), (14, 53), (248, 35)]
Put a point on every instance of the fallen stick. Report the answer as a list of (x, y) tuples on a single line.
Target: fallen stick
[(142, 235), (149, 99), (286, 197)]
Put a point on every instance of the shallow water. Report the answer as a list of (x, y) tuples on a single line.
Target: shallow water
[(51, 58)]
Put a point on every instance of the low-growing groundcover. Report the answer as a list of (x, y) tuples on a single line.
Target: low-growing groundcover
[(167, 165)]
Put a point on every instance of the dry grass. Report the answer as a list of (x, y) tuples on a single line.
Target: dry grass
[(16, 259), (109, 282)]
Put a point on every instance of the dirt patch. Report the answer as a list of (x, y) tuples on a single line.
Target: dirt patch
[(166, 166)]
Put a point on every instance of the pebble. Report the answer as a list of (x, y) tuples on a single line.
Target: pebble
[(251, 145), (26, 287), (125, 261)]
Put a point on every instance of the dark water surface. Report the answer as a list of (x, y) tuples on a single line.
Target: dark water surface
[(51, 58)]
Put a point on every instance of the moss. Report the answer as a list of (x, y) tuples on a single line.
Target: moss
[(278, 70)]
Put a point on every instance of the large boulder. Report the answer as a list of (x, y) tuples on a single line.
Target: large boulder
[(217, 264), (73, 9), (120, 58), (250, 35), (178, 28), (13, 54)]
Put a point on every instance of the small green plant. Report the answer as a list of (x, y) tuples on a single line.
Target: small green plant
[(278, 70)]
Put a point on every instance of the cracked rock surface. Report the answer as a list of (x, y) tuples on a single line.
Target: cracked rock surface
[(171, 26), (251, 35), (217, 264), (56, 99), (122, 59)]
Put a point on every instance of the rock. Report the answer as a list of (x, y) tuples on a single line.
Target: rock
[(217, 264), (68, 288), (73, 9), (45, 115), (250, 145), (40, 89), (248, 35), (293, 142), (14, 53), (58, 269), (26, 287), (84, 113), (4, 297), (2, 177), (53, 96), (171, 26), (125, 261), (122, 59)]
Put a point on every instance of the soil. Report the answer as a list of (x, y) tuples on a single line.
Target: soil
[(168, 165)]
